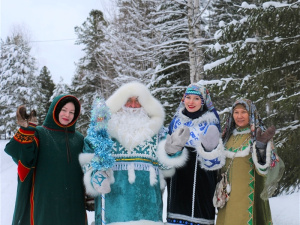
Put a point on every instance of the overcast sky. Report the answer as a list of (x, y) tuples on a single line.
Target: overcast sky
[(50, 24)]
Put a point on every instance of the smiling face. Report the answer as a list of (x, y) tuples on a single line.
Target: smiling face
[(66, 114), (241, 116), (192, 103)]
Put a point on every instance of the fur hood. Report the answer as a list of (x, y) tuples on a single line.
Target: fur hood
[(152, 106)]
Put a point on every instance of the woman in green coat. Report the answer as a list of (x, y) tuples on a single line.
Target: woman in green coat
[(50, 189), (252, 168)]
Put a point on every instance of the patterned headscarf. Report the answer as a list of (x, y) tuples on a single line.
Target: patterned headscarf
[(197, 89), (254, 120), (207, 104)]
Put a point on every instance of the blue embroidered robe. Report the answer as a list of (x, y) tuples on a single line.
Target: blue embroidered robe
[(135, 196)]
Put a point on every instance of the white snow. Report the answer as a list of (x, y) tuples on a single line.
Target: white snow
[(285, 209)]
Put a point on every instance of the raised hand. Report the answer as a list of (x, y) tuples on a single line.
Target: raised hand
[(176, 141), (210, 138), (23, 119), (263, 138)]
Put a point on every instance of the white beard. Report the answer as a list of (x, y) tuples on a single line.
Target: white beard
[(130, 126)]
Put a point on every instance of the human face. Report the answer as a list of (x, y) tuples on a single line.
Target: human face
[(241, 117), (192, 103), (133, 102), (66, 115)]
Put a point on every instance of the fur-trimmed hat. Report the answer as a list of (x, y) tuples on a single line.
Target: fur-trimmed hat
[(151, 105)]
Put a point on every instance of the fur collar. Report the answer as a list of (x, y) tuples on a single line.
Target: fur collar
[(208, 117)]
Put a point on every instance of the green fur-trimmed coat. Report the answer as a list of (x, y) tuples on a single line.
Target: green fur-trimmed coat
[(50, 189)]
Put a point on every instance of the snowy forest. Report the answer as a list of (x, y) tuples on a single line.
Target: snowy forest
[(236, 49)]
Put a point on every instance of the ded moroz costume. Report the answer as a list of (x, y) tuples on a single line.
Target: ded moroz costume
[(136, 196)]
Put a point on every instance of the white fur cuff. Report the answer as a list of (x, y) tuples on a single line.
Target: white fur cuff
[(168, 161), (85, 158), (262, 169), (85, 161), (211, 160)]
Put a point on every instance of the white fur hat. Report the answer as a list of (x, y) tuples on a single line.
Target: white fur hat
[(152, 106)]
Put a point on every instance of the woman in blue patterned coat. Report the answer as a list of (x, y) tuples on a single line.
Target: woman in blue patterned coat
[(194, 147)]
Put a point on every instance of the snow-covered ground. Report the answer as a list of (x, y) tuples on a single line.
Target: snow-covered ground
[(285, 209)]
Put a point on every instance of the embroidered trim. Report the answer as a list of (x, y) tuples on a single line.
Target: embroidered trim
[(37, 141), (32, 125), (137, 166), (32, 200), (242, 153), (86, 167), (238, 131), (24, 136), (136, 159), (174, 218), (241, 148), (251, 194), (147, 149), (196, 126)]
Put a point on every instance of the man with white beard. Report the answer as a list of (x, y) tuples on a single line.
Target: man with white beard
[(136, 181)]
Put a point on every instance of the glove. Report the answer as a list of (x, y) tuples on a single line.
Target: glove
[(210, 138), (176, 141), (262, 139), (23, 119), (100, 182)]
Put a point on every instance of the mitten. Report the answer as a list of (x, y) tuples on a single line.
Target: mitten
[(176, 141), (23, 119), (262, 139), (210, 138), (22, 116), (32, 118), (100, 182), (261, 143)]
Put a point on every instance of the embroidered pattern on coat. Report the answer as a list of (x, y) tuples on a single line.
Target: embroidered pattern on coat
[(251, 194), (143, 156), (24, 136)]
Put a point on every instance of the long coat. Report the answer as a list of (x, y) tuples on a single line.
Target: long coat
[(191, 188), (50, 189), (245, 206), (135, 196)]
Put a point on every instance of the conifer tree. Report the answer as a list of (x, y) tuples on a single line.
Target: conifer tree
[(46, 87), (131, 40), (18, 80), (181, 26), (94, 76), (172, 74), (258, 58), (60, 88), (93, 66)]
